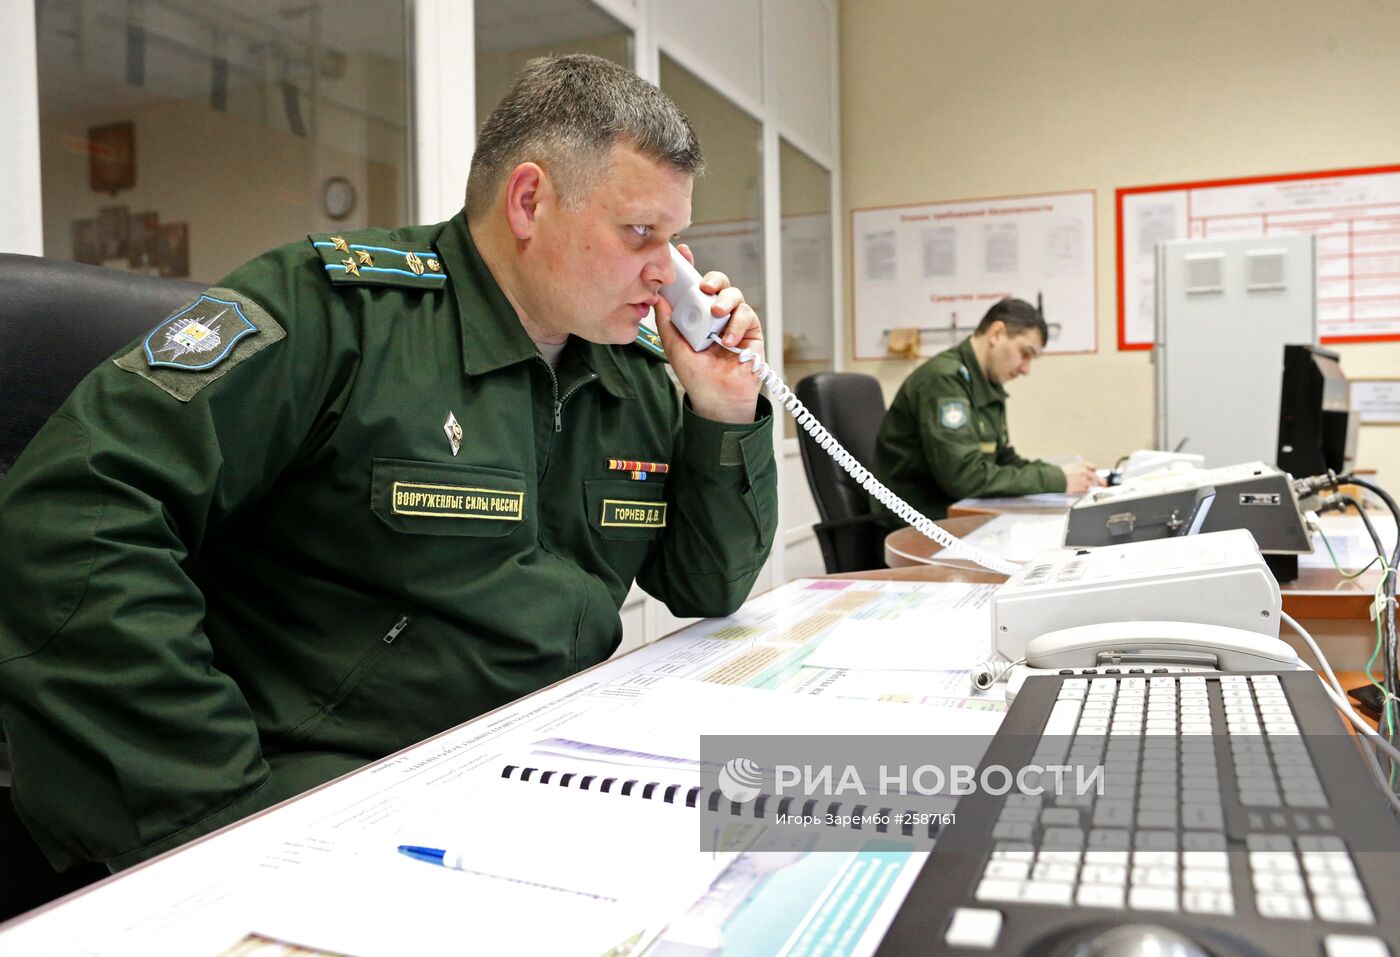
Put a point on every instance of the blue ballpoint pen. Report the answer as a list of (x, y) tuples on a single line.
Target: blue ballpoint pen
[(431, 855)]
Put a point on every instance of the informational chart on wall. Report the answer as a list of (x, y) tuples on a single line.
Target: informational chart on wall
[(1355, 215), (924, 275)]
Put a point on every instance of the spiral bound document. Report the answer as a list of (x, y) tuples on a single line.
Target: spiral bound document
[(763, 808)]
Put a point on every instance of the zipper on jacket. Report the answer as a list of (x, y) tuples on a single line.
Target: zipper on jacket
[(558, 399), (559, 406), (393, 633)]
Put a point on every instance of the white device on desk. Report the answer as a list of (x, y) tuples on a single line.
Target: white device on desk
[(1151, 461), (1203, 602)]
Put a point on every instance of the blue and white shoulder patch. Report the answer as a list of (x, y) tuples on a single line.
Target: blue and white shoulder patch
[(953, 413), (199, 336), (962, 371), (201, 341)]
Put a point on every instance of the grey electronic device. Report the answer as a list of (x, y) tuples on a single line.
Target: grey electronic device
[(1253, 496)]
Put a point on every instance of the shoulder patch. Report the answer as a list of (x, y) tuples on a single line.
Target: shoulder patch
[(201, 341), (381, 263), (953, 413), (650, 343)]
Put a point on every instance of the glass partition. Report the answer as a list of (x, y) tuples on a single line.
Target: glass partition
[(726, 216), (181, 139), (509, 32), (808, 310)]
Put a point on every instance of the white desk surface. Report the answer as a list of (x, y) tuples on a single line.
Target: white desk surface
[(314, 863)]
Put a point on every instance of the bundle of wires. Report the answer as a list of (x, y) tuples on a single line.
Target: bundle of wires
[(1384, 607)]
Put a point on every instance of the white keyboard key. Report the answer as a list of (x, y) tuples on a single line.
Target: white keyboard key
[(1059, 873), (1350, 945), (1206, 880), (1328, 862), (1275, 862), (1114, 874), (1336, 885), (1344, 910), (1008, 870), (974, 927), (1100, 895), (998, 890), (1058, 893), (1266, 883), (1208, 902), (1168, 859), (1153, 898), (1283, 906), (1114, 858), (1199, 860), (1014, 852)]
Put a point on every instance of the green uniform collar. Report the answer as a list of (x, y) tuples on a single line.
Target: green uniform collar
[(984, 391), (492, 334)]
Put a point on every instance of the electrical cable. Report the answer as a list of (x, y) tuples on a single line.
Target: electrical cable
[(1333, 687), (785, 397)]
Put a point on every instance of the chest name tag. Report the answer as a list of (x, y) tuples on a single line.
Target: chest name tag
[(618, 513), (456, 501)]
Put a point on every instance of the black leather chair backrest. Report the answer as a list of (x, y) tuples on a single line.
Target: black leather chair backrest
[(58, 321), (851, 406)]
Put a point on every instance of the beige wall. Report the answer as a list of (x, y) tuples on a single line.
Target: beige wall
[(944, 100)]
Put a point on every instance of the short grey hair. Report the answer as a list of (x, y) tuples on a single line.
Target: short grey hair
[(566, 114)]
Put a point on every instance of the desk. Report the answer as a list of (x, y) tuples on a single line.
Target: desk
[(241, 869)]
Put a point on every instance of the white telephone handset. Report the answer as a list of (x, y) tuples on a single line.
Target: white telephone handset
[(690, 307), (1161, 643), (1152, 647)]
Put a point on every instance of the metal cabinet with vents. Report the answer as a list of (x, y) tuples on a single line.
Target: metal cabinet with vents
[(1225, 310)]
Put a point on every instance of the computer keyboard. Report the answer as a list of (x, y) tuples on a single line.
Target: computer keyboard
[(1235, 811)]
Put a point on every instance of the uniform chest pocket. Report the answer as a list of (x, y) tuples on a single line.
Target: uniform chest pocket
[(624, 510), (434, 498)]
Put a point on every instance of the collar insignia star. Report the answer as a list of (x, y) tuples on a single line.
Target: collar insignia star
[(351, 266), (339, 243), (364, 258)]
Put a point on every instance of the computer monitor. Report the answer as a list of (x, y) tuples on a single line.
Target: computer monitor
[(1316, 428)]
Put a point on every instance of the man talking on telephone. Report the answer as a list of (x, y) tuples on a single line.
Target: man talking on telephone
[(376, 483), (945, 437)]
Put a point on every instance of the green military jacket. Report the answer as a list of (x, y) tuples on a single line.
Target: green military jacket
[(368, 512), (944, 438)]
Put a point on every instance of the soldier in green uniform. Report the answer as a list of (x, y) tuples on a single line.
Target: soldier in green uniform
[(377, 483), (944, 436)]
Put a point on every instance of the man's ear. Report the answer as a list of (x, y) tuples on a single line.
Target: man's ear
[(996, 332), (524, 189)]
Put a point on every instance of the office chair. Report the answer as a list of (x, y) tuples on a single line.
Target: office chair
[(58, 321), (851, 406)]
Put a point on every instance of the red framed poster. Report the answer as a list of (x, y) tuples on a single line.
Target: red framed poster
[(1354, 213)]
